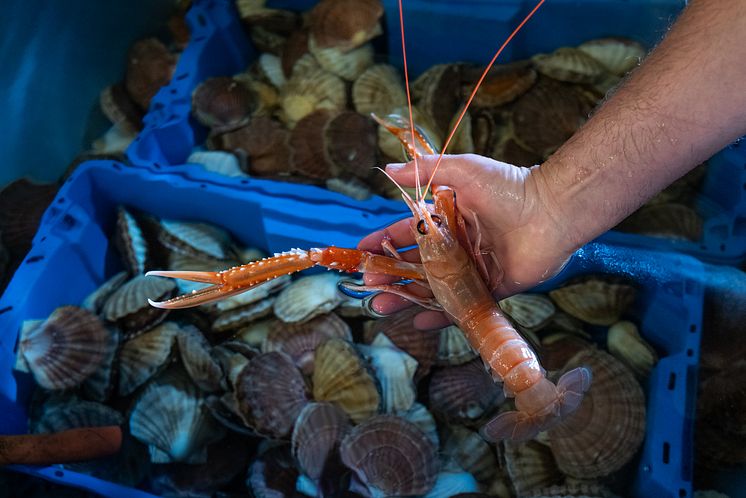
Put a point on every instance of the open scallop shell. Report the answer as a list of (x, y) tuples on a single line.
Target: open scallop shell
[(571, 65), (271, 393), (609, 425), (453, 347), (310, 90), (66, 348), (204, 370), (351, 143), (130, 242), (195, 239), (599, 300), (530, 466), (528, 311), (308, 146), (503, 84), (128, 306), (300, 340), (378, 90), (471, 452), (395, 373), (464, 393), (345, 24), (348, 65), (623, 341), (619, 55), (308, 297), (318, 431), (150, 66), (391, 455), (341, 377), (142, 357), (670, 220)]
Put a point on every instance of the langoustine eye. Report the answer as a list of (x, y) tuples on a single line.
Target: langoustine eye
[(422, 226)]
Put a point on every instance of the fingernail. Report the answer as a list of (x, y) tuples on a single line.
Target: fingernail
[(394, 167)]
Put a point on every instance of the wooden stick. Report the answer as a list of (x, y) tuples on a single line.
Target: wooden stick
[(61, 447)]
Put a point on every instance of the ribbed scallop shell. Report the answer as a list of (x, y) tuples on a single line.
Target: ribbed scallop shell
[(378, 90), (609, 426), (223, 104), (77, 413), (222, 163), (271, 68), (142, 357), (569, 64), (308, 147), (149, 67), (351, 143), (391, 455), (340, 377), (464, 393), (96, 299), (117, 105), (599, 300), (308, 91), (558, 348), (623, 341), (438, 94), (345, 24), (195, 239), (265, 141), (308, 297), (674, 221), (619, 55), (452, 482), (348, 65), (203, 369), (395, 373), (242, 316), (66, 348), (300, 340), (423, 419), (130, 242), (471, 452), (453, 347), (504, 83), (529, 311), (531, 466), (99, 385), (318, 431), (256, 332), (128, 306), (170, 417), (399, 328), (271, 393)]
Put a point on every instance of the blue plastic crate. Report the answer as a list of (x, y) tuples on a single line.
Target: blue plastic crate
[(72, 246)]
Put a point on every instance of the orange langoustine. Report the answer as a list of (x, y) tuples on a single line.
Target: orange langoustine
[(450, 269)]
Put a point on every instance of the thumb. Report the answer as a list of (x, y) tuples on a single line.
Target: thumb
[(450, 171)]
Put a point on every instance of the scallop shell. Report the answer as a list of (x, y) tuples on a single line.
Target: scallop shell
[(267, 40), (529, 311), (114, 141), (351, 146), (271, 68), (391, 146), (557, 349), (530, 466), (395, 373), (511, 152), (423, 419), (271, 393), (570, 489), (130, 242), (117, 105), (464, 393), (348, 65), (76, 414), (351, 187), (571, 65), (471, 452), (670, 220), (203, 369), (454, 348), (300, 340), (222, 163), (195, 239), (345, 24), (273, 474), (295, 47), (308, 91), (340, 377), (452, 482), (391, 455), (308, 297), (609, 425), (22, 204), (546, 116), (99, 385), (318, 431), (223, 104), (256, 332), (233, 356), (170, 417), (463, 139), (142, 357), (438, 94), (378, 90), (624, 342), (242, 316), (128, 306), (399, 328), (149, 67), (308, 146), (66, 348), (96, 299), (267, 144), (503, 84), (619, 55), (599, 300)]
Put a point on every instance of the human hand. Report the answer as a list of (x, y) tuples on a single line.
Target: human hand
[(516, 225)]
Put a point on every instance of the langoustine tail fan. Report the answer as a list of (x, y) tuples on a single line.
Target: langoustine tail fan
[(451, 269)]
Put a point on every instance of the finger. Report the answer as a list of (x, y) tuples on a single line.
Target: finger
[(453, 170), (431, 320), (399, 233), (388, 304)]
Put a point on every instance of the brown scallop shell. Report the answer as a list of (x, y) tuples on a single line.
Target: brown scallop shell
[(608, 427), (558, 348), (265, 141), (471, 452), (142, 357), (391, 455), (546, 116), (570, 65), (100, 384), (130, 242), (223, 104), (530, 466), (378, 90), (619, 55), (464, 393), (66, 348), (599, 299), (119, 108), (423, 419), (310, 90), (503, 84), (270, 392), (351, 143), (318, 431), (22, 203), (150, 66), (453, 347), (438, 94), (670, 220), (308, 146), (273, 474), (94, 302), (75, 414), (348, 65), (509, 151), (300, 340), (341, 377), (489, 129), (528, 311), (242, 316), (128, 306), (345, 24)]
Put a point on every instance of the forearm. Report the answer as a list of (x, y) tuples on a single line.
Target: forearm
[(687, 101)]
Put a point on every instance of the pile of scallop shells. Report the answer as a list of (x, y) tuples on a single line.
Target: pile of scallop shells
[(292, 388)]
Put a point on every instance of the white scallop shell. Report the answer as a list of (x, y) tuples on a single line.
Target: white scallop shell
[(217, 161), (454, 348), (348, 65), (142, 357), (197, 239), (308, 297), (395, 373), (195, 354)]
